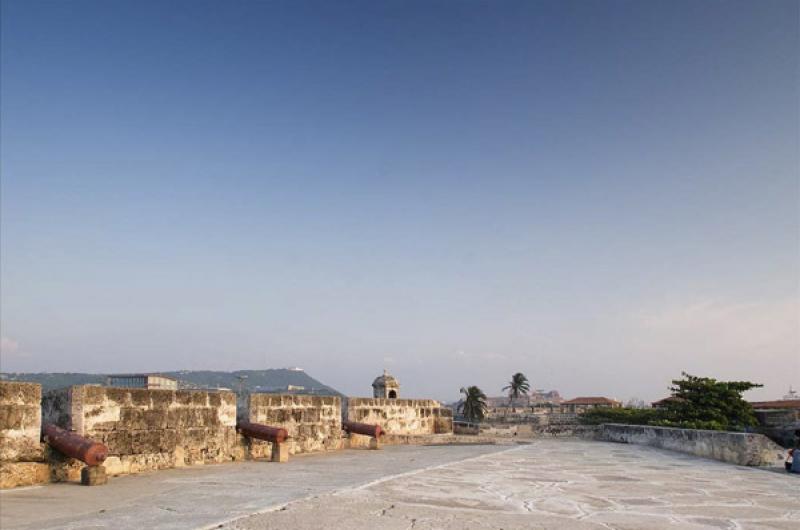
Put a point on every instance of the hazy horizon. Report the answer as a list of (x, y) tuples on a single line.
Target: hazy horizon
[(600, 195)]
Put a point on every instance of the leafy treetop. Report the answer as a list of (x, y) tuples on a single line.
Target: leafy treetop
[(699, 403)]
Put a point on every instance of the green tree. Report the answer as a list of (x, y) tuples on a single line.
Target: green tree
[(517, 387), (473, 406), (705, 403), (699, 403)]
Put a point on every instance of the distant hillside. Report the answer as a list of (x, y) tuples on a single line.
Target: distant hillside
[(273, 380), (55, 380)]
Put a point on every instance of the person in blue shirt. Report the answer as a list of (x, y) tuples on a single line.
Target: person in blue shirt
[(794, 466)]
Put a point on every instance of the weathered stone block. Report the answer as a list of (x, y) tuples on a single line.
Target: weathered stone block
[(20, 422), (93, 476), (162, 399), (141, 397), (199, 399), (280, 452), (20, 393), (18, 474)]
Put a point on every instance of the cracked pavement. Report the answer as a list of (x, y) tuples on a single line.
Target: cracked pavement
[(550, 483), (557, 484)]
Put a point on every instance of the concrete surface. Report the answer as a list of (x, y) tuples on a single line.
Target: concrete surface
[(204, 496), (559, 484), (551, 483)]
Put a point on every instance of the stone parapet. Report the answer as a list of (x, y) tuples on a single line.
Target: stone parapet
[(20, 422), (402, 416), (314, 423), (745, 449), (21, 451), (149, 429)]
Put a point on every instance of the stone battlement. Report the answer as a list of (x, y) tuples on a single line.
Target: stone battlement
[(21, 452), (402, 416), (148, 429), (314, 423)]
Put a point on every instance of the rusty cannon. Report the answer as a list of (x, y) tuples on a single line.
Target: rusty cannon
[(277, 435), (365, 429), (263, 432), (73, 445)]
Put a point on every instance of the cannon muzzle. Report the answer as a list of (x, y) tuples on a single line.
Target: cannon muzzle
[(362, 428), (74, 445), (263, 432)]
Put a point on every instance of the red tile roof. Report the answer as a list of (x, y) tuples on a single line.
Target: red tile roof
[(590, 401), (778, 404)]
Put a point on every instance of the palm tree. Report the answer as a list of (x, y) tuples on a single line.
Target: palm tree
[(473, 407), (517, 387)]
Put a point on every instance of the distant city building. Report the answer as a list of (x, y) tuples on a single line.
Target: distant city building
[(793, 404), (543, 406), (582, 404), (148, 381), (386, 386), (535, 397), (294, 388), (781, 413)]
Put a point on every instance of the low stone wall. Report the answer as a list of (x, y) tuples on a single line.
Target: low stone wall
[(402, 416), (428, 439), (149, 429), (535, 425), (566, 425), (745, 449), (21, 452), (314, 423), (466, 428)]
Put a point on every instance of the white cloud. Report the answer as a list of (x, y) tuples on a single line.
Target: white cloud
[(8, 346)]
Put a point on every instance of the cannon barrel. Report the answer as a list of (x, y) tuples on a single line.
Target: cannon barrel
[(263, 432), (74, 445), (362, 428)]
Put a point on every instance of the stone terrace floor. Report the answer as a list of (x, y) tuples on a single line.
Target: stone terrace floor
[(551, 483)]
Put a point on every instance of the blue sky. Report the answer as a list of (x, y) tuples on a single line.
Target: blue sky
[(598, 194)]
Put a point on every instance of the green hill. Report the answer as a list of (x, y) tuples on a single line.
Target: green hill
[(273, 380)]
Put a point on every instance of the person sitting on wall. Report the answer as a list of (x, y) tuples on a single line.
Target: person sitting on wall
[(794, 455)]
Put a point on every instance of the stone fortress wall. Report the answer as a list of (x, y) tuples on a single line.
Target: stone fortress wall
[(314, 423), (149, 429), (156, 429), (21, 452), (402, 416)]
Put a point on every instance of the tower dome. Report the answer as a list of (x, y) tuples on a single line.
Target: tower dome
[(385, 386)]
